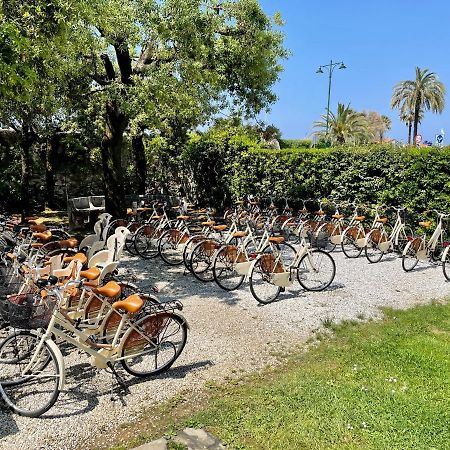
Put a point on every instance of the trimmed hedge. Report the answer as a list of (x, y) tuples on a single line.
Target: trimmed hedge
[(227, 167), (295, 143)]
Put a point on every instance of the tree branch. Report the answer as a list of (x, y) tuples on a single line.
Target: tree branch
[(109, 68), (123, 60)]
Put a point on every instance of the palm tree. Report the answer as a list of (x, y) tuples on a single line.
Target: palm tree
[(345, 126), (407, 116), (425, 93)]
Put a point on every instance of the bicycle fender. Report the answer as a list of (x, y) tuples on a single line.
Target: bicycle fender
[(252, 265), (60, 359), (407, 246)]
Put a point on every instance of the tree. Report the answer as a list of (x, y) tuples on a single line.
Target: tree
[(344, 127), (425, 93), (36, 70), (377, 125), (192, 57)]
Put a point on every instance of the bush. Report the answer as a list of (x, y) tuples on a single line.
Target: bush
[(227, 167), (295, 143)]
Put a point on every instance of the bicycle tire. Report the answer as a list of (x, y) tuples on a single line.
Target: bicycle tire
[(146, 246), (202, 260), (221, 267), (169, 249), (158, 328), (446, 267), (372, 251), (305, 262), (409, 260), (13, 385), (349, 247), (260, 284)]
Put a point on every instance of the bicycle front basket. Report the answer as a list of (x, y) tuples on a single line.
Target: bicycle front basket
[(268, 264), (209, 247), (28, 311), (231, 254)]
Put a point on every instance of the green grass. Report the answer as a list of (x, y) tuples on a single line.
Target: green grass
[(373, 386)]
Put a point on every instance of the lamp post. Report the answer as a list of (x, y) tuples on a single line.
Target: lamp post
[(330, 68)]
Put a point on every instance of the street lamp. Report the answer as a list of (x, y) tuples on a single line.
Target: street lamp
[(330, 68)]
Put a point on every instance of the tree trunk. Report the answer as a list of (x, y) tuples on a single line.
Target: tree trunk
[(26, 142), (111, 147), (409, 132), (416, 120), (50, 152), (140, 163)]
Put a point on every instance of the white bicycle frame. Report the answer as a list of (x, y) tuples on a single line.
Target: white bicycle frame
[(427, 247)]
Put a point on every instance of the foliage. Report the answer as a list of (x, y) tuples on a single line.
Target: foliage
[(345, 127), (414, 97), (295, 143), (223, 166), (368, 387), (377, 125)]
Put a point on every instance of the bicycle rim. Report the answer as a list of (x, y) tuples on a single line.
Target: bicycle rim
[(261, 286), (163, 338), (224, 272), (33, 393), (316, 270)]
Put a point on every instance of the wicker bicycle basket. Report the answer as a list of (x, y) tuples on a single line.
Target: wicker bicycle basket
[(268, 264), (231, 254), (377, 236), (29, 311), (417, 244), (209, 247)]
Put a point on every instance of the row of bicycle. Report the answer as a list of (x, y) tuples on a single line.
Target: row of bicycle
[(230, 252), (55, 296)]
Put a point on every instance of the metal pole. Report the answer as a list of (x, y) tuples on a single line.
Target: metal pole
[(330, 71)]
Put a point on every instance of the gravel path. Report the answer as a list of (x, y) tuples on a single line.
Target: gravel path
[(230, 334)]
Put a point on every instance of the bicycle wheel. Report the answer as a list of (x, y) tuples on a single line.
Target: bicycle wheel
[(187, 250), (409, 260), (17, 346), (348, 244), (224, 268), (170, 246), (29, 384), (405, 235), (261, 285), (446, 267), (202, 259), (146, 242), (316, 270), (155, 344), (372, 249), (129, 240)]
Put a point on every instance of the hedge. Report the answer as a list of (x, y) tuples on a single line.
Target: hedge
[(227, 167)]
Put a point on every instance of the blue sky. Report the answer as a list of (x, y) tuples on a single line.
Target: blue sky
[(380, 41)]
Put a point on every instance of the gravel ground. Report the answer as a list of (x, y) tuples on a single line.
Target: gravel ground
[(230, 334)]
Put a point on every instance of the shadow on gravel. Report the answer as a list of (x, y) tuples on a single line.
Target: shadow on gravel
[(73, 402), (8, 425), (79, 400)]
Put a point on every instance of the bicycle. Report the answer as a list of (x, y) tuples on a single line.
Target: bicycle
[(270, 275), (30, 383), (385, 238), (421, 249)]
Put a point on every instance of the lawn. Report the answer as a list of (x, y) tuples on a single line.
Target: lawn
[(378, 385), (374, 386)]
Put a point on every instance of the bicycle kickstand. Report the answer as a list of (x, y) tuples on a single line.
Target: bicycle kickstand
[(116, 376)]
